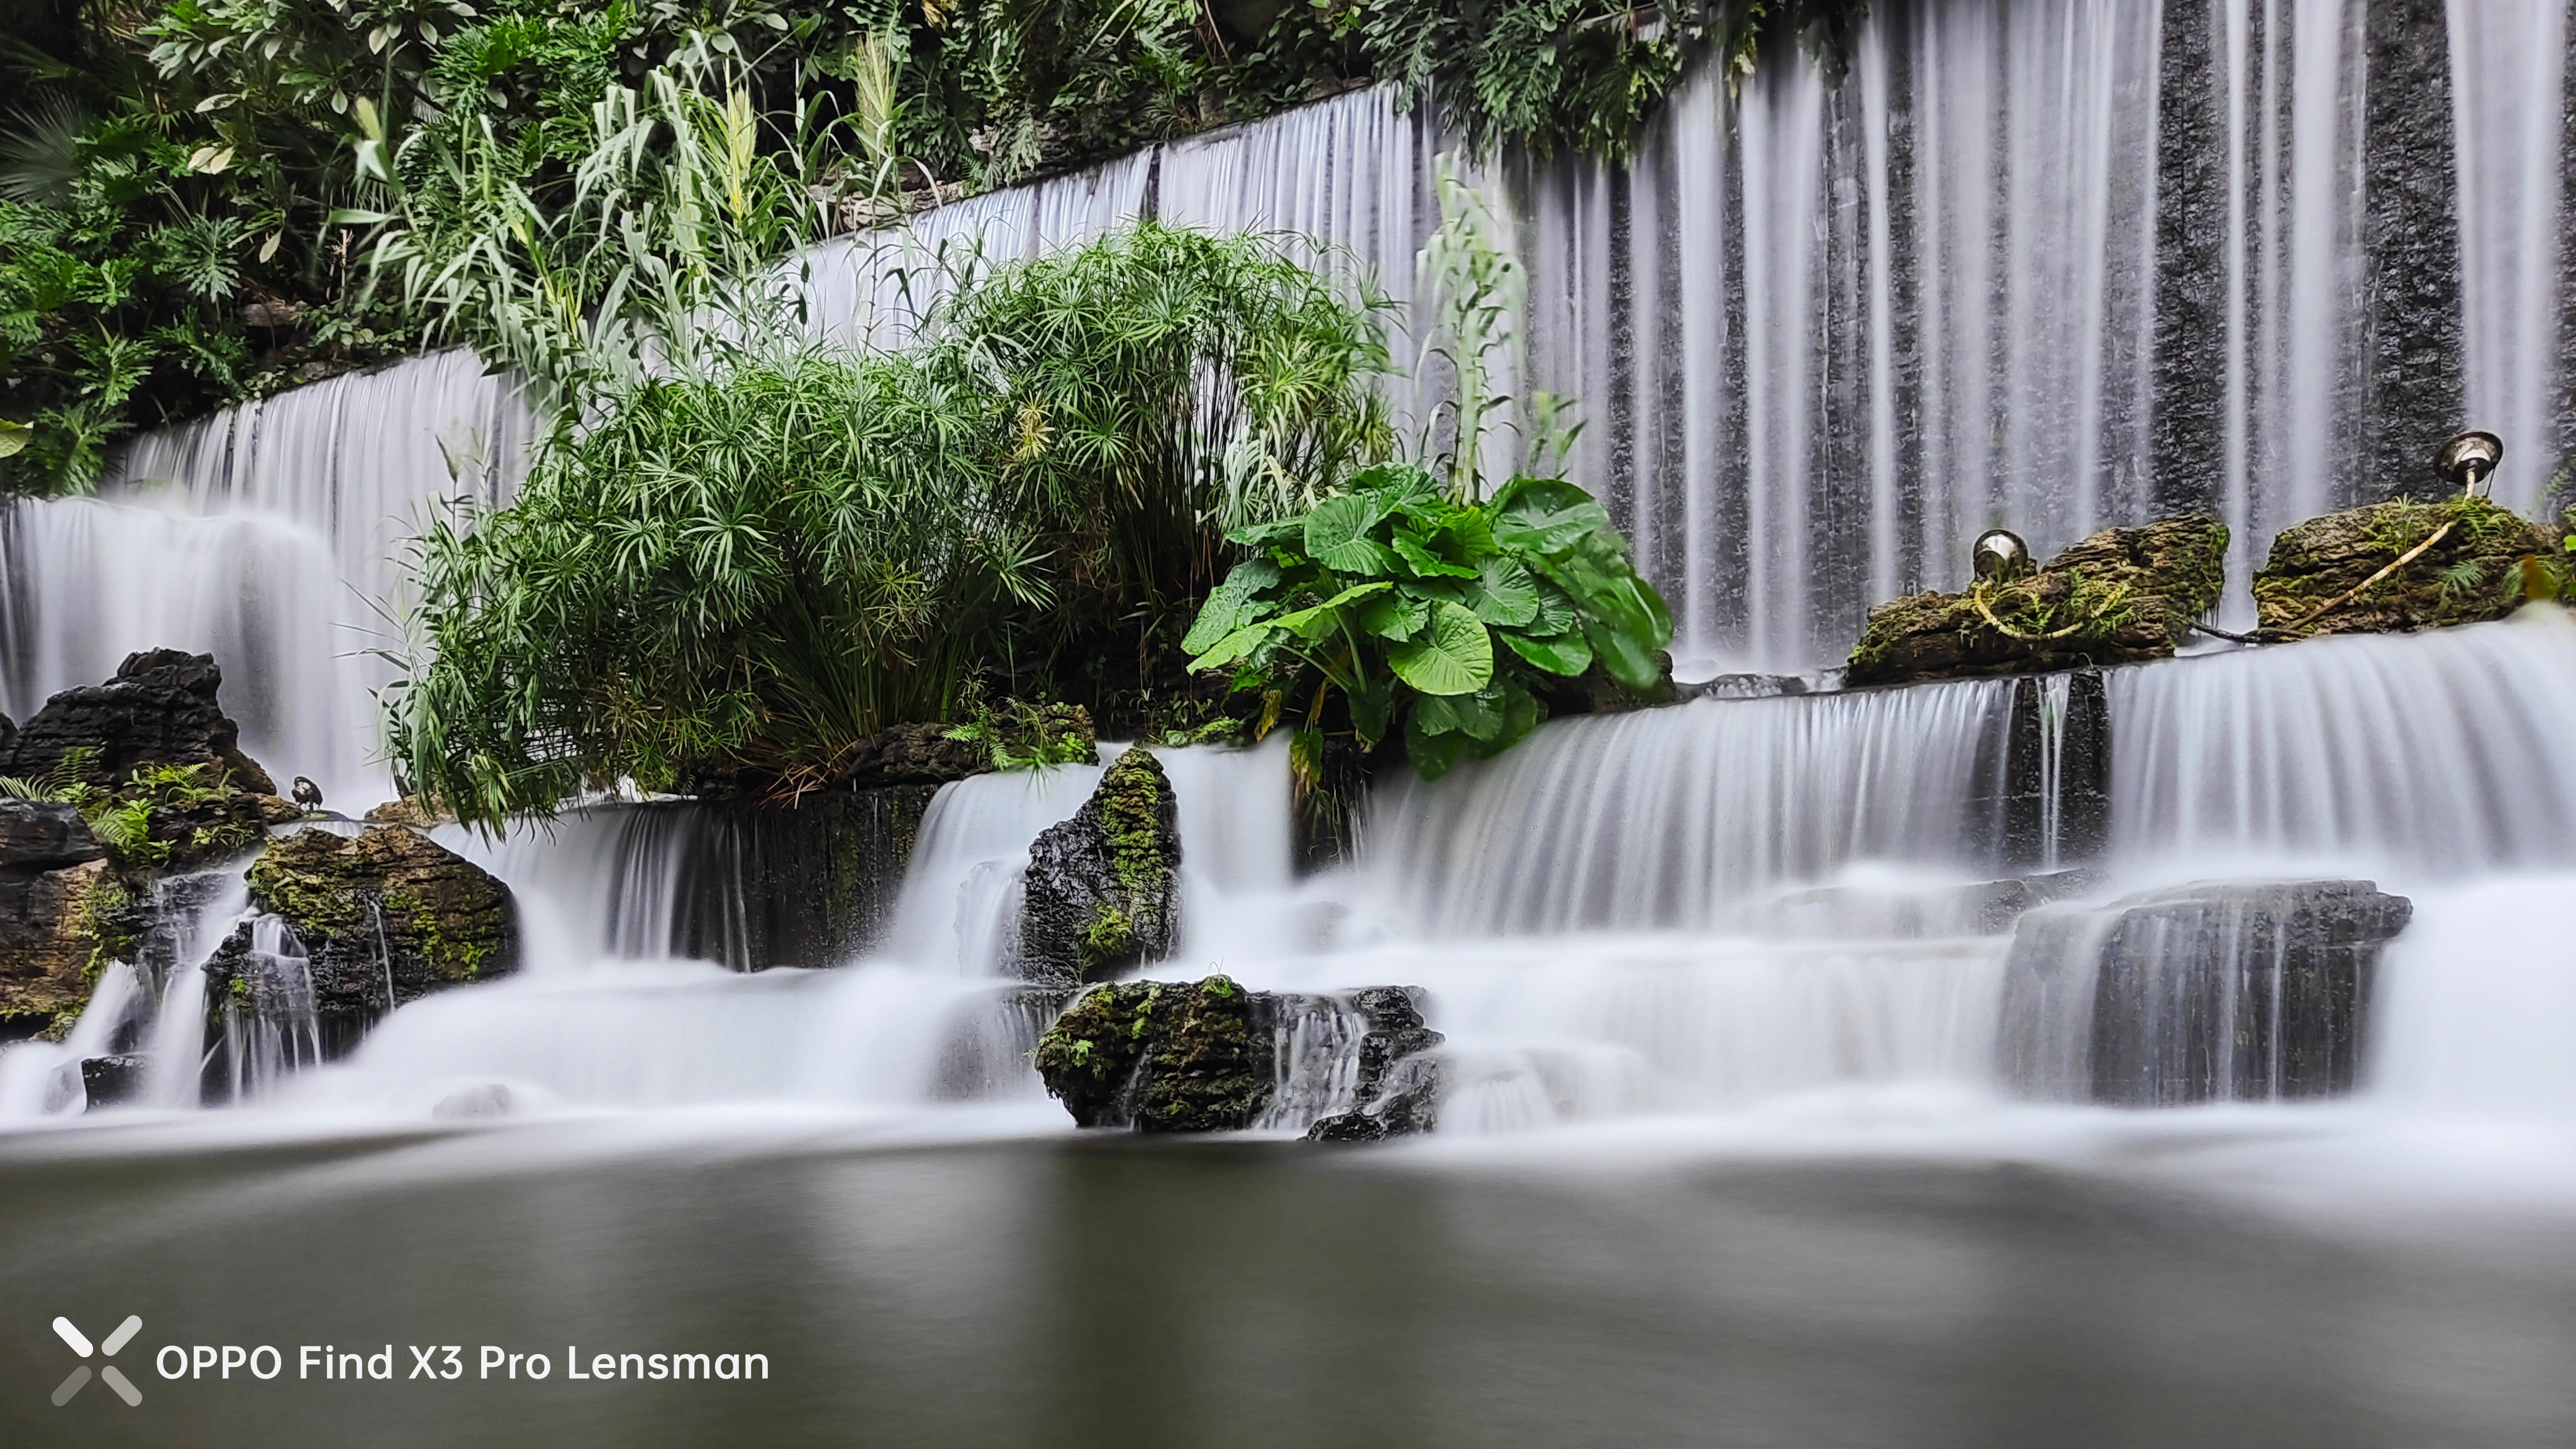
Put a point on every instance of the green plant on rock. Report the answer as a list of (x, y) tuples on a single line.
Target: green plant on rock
[(1027, 735), (1439, 618)]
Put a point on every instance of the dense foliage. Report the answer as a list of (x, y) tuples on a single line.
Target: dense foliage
[(189, 188), (1445, 617), (750, 569)]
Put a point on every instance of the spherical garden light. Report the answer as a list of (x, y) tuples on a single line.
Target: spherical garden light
[(1999, 555)]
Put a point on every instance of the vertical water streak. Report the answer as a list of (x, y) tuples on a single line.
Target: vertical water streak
[(2508, 77), (1659, 819), (2436, 754)]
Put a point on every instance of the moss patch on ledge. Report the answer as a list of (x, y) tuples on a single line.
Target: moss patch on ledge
[(386, 911), (2122, 595), (2324, 576)]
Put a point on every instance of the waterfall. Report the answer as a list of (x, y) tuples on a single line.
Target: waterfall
[(2508, 75), (2435, 755), (603, 880), (2050, 265), (270, 535), (1658, 819)]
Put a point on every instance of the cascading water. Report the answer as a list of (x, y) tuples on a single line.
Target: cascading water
[(270, 535), (2050, 265)]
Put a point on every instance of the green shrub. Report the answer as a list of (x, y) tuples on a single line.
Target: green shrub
[(1433, 615), (751, 568)]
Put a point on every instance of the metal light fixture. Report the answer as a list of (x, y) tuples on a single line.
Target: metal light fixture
[(2469, 461), (1999, 555)]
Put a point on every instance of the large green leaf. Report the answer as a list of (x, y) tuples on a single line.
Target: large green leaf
[(1434, 714), (1415, 550), (1480, 715), (1432, 755), (1337, 536), (1395, 617), (1371, 705), (1261, 535), (1400, 480), (1556, 612), (1566, 654), (1304, 620), (1547, 516), (1229, 603), (1233, 646), (1627, 660), (1503, 593), (1520, 714), (1456, 655)]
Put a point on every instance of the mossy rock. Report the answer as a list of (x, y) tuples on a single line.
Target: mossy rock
[(51, 925), (385, 913), (1160, 1057), (2312, 582), (1102, 891), (2121, 596)]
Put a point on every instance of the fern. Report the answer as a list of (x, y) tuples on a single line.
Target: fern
[(2461, 579)]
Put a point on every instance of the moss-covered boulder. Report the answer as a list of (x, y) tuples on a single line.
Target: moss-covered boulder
[(2340, 574), (1102, 891), (1160, 1056), (2122, 595), (50, 928), (384, 917)]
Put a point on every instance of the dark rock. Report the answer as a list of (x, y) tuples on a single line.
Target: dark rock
[(1398, 1091), (1159, 1057), (111, 1080), (2122, 595), (43, 836), (8, 737), (1741, 686), (809, 881), (1102, 892), (407, 810), (271, 810), (160, 709), (918, 754), (383, 917), (2245, 992), (2473, 573), (48, 940), (2041, 795)]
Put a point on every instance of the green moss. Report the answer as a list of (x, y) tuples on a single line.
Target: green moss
[(1130, 797), (453, 959), (308, 899), (1194, 1045), (2325, 575), (1108, 939), (106, 918)]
